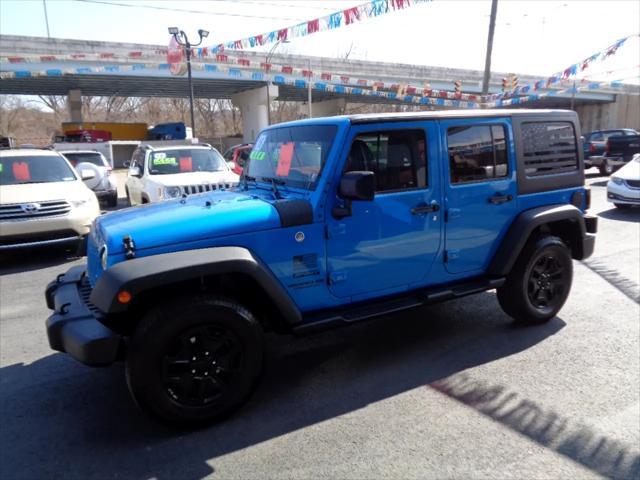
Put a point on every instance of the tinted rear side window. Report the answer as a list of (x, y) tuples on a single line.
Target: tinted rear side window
[(477, 153), (549, 148)]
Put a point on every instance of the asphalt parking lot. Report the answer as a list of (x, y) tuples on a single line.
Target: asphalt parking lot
[(450, 391)]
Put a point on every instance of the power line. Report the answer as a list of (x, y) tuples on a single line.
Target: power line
[(155, 7), (276, 3)]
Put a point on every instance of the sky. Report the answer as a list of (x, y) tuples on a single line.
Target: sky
[(532, 37)]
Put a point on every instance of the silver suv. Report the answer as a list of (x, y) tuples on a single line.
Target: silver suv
[(103, 184)]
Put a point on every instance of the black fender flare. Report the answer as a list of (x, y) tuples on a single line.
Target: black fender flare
[(145, 273), (522, 227)]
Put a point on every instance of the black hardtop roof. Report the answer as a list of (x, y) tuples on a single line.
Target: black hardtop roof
[(446, 114)]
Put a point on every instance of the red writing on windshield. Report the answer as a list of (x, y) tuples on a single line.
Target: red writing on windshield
[(284, 160)]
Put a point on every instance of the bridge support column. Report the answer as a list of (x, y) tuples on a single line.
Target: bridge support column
[(253, 106), (74, 102), (327, 108)]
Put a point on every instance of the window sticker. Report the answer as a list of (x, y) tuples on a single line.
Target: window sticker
[(284, 159), (21, 171), (1, 167), (186, 164), (164, 161), (256, 155)]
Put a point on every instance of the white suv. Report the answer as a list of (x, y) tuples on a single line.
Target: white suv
[(159, 173), (43, 200)]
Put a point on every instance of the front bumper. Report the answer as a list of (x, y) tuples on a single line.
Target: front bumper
[(622, 194), (75, 327), (33, 232), (589, 239)]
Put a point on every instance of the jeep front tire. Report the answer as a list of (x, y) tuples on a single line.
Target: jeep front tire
[(537, 287), (194, 360)]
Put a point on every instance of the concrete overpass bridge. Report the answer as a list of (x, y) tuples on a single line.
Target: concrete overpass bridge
[(43, 66)]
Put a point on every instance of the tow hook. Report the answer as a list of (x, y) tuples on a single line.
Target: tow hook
[(129, 247)]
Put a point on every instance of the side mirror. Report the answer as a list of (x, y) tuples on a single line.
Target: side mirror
[(354, 186), (87, 174), (231, 165), (358, 186), (126, 164), (135, 172)]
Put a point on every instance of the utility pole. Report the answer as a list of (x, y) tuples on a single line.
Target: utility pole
[(487, 62), (46, 17)]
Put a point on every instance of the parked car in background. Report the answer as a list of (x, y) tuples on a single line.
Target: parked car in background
[(623, 188), (237, 157), (595, 143), (7, 142), (103, 182), (159, 172), (43, 200), (167, 131)]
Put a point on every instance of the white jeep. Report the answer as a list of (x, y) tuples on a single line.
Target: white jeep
[(158, 173)]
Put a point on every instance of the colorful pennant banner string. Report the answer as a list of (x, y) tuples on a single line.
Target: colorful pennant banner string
[(567, 73), (333, 21), (553, 93)]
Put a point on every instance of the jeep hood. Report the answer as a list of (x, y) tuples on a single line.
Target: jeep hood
[(198, 217)]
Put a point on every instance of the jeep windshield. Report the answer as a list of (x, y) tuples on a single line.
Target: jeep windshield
[(21, 169), (293, 156), (185, 160)]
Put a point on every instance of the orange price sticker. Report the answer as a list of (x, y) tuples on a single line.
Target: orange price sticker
[(284, 159)]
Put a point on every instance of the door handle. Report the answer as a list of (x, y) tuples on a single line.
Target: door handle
[(423, 208), (498, 198)]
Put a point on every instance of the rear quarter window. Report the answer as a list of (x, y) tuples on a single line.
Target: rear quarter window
[(549, 148)]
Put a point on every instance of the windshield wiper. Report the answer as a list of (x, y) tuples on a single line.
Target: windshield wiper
[(274, 182), (246, 179)]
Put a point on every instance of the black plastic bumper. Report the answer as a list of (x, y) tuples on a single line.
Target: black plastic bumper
[(74, 328), (589, 239)]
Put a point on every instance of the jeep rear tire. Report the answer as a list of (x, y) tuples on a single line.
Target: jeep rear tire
[(539, 283), (194, 360)]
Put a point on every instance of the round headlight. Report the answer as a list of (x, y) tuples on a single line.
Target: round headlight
[(172, 192), (103, 256)]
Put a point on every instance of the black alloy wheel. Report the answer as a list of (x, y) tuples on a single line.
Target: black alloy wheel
[(539, 283), (546, 286), (194, 359), (202, 364)]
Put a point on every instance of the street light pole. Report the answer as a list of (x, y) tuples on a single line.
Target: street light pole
[(193, 121), (266, 61), (182, 39)]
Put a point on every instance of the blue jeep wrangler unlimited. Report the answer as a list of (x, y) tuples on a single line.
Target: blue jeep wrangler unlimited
[(336, 220)]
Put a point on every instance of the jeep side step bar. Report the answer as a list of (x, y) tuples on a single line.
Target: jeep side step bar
[(320, 320)]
